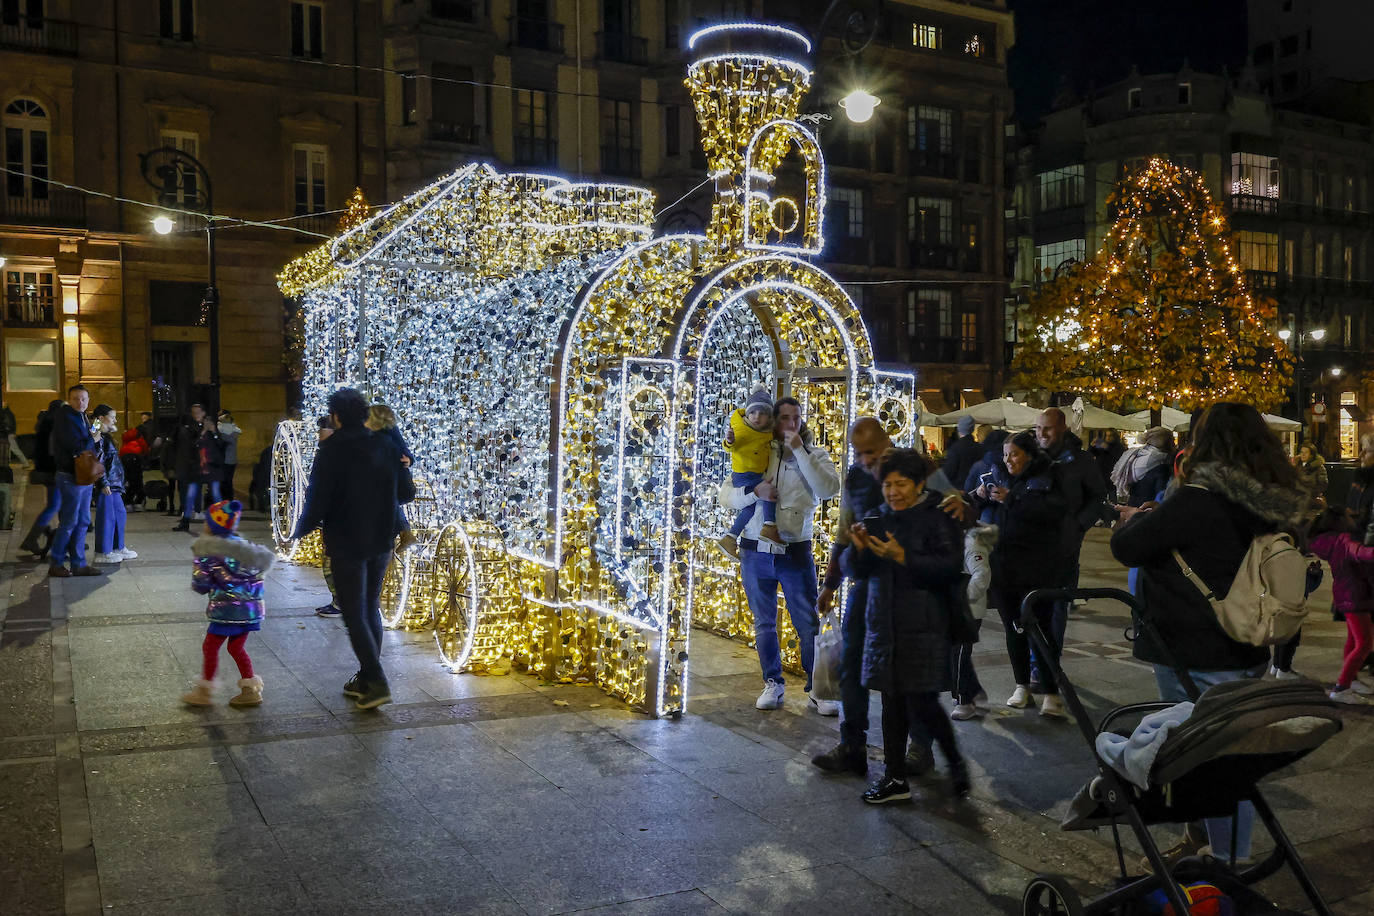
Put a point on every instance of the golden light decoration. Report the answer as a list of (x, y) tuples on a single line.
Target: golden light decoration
[(563, 377)]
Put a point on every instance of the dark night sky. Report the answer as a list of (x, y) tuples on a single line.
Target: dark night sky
[(1097, 41)]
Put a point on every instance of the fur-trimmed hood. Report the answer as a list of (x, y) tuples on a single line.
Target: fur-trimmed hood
[(253, 556), (1282, 506), (981, 537)]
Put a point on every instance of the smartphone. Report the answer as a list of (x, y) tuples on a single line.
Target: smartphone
[(876, 526), (985, 478)]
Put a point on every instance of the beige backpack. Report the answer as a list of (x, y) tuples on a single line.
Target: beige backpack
[(1267, 601)]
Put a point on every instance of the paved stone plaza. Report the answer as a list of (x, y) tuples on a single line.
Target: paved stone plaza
[(506, 795)]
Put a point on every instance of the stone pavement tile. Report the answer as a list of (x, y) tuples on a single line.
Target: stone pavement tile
[(853, 829), (156, 813), (456, 881), (636, 803), (555, 873), (1359, 905), (495, 820), (167, 769), (829, 888), (684, 903), (693, 743), (273, 759), (250, 898), (31, 876), (1312, 806), (1327, 861), (331, 843), (729, 845), (26, 684), (188, 862), (778, 785), (530, 732), (567, 764), (956, 878), (441, 684)]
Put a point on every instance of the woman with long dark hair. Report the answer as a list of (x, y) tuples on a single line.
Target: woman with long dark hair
[(1235, 483), (1029, 514)]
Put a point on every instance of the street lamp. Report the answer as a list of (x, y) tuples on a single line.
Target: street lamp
[(859, 105), (178, 177), (1316, 335)]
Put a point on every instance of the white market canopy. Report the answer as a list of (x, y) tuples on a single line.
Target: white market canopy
[(1178, 421), (1098, 418), (997, 412)]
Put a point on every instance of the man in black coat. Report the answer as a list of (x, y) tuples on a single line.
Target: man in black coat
[(963, 453), (1086, 493), (352, 497), (71, 435)]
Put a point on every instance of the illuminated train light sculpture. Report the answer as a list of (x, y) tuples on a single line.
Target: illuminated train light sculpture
[(564, 377)]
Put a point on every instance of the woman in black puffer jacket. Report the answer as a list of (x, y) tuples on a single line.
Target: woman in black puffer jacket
[(909, 553), (1029, 517)]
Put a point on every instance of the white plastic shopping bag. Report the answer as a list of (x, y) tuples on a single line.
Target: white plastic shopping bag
[(825, 673)]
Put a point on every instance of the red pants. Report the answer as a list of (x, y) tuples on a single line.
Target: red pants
[(1359, 641), (210, 650)]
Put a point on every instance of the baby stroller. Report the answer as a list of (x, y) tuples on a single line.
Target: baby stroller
[(1238, 733)]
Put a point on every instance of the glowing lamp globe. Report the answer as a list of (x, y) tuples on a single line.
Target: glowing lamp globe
[(859, 105), (1319, 334), (162, 225)]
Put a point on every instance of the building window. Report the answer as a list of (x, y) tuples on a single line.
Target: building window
[(1048, 258), (1319, 260), (1061, 187), (927, 37), (618, 153), (1348, 264), (29, 298), (1349, 430), (188, 188), (929, 129), (975, 46), (533, 144), (309, 164), (30, 364), (1290, 258), (307, 30), (672, 130), (26, 150), (409, 105), (672, 17), (850, 202), (1132, 99), (968, 334), (930, 324), (1349, 193), (1258, 251), (1321, 187), (930, 220), (1185, 93), (453, 112), (1254, 175), (176, 19), (1347, 331), (178, 303)]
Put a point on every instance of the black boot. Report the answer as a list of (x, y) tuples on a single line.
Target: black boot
[(183, 525), (843, 759), (959, 782)]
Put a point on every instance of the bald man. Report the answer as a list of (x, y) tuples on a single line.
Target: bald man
[(1086, 493), (862, 495)]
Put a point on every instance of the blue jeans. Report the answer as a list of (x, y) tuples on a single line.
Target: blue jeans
[(110, 516), (1218, 828), (190, 503), (747, 480), (72, 521), (853, 694), (763, 574)]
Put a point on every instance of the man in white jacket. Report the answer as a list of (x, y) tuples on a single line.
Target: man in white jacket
[(799, 476)]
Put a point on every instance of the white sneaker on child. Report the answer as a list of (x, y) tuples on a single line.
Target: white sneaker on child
[(1361, 688), (128, 554), (102, 558)]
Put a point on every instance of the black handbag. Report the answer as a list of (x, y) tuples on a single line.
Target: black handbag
[(963, 626), (405, 486)]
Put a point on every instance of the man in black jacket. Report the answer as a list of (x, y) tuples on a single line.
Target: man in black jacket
[(1086, 493), (352, 497), (963, 452), (71, 435)]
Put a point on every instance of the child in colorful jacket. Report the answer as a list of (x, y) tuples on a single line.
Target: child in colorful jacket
[(230, 570)]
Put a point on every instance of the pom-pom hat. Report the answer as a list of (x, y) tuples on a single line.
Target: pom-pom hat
[(223, 516), (759, 400)]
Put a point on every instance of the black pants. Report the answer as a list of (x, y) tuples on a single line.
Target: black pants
[(358, 589), (1018, 643), (903, 710), (226, 484), (1284, 652), (133, 480)]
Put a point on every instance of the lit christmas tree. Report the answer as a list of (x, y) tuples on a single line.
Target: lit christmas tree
[(356, 212), (1162, 313)]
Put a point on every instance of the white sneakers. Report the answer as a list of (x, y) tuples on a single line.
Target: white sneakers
[(1051, 705), (1361, 688), (127, 554), (824, 707), (111, 557), (1348, 696), (963, 712), (771, 698), (1020, 697), (1283, 675)]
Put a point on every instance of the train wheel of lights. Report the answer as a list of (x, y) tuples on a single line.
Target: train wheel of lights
[(287, 486), (452, 587), (401, 601)]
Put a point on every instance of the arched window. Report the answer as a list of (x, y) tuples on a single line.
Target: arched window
[(26, 150)]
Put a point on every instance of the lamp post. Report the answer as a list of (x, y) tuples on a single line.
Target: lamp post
[(179, 177), (1316, 335)]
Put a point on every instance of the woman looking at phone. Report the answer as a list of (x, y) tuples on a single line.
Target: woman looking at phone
[(1029, 511), (910, 554)]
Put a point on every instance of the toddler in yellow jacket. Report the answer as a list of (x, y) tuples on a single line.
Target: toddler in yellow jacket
[(749, 441)]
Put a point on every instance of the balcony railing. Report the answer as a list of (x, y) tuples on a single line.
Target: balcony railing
[(61, 207), (455, 10), (38, 34), (538, 34), (455, 132), (536, 151), (620, 161), (1254, 203), (30, 311), (933, 257), (622, 48)]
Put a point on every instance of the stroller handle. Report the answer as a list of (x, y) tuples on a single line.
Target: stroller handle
[(1068, 594)]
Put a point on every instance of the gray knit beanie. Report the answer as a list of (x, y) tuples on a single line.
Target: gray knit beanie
[(966, 424), (759, 399)]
